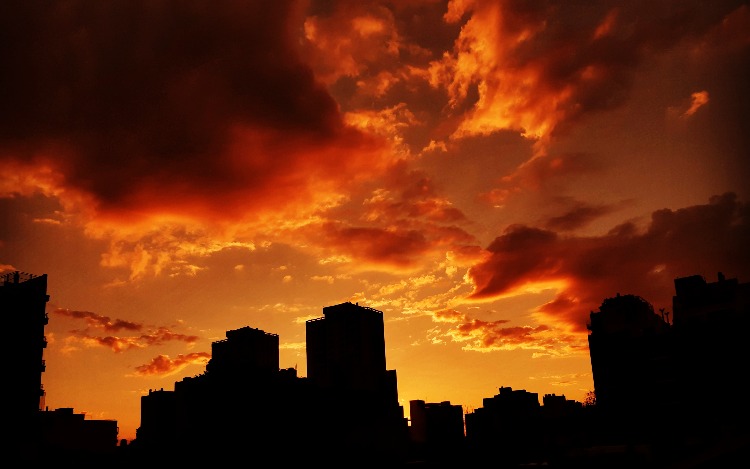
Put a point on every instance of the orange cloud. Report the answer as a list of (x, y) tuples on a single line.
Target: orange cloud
[(395, 248), (699, 99), (541, 174), (402, 225), (488, 336), (536, 68), (163, 365), (351, 38), (155, 336), (98, 321), (701, 239), (174, 145)]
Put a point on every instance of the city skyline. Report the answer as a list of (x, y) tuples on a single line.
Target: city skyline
[(484, 173), (640, 417)]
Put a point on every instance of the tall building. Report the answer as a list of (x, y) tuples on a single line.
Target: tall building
[(242, 405), (437, 422), (506, 428), (631, 355), (346, 363), (346, 349), (23, 299), (245, 350), (711, 321), (34, 432)]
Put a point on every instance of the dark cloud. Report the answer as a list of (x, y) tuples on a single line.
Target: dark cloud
[(579, 216), (401, 221), (545, 65), (543, 174), (99, 321), (94, 321), (701, 239), (378, 245), (411, 195), (138, 102)]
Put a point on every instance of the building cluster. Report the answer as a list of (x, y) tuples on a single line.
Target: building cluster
[(34, 430), (346, 407), (663, 389)]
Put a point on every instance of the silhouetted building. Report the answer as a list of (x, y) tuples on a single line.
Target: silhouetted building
[(672, 387), (245, 351), (554, 406), (346, 408), (564, 426), (665, 394), (506, 428), (242, 404), (711, 323), (32, 433), (346, 349), (437, 429), (67, 435), (631, 356), (159, 418), (23, 299), (346, 362)]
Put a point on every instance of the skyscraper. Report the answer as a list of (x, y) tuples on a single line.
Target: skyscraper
[(631, 355), (23, 299), (346, 349), (346, 363), (711, 321)]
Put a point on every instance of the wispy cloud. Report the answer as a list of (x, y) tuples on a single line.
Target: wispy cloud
[(87, 337), (163, 365)]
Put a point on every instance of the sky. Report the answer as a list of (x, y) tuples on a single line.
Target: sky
[(485, 173)]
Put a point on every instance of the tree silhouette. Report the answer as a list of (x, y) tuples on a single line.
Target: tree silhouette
[(590, 399)]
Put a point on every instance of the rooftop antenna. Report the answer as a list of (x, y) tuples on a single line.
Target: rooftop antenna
[(664, 315)]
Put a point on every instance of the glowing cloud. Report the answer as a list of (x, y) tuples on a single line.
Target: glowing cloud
[(152, 336), (699, 99), (163, 365), (629, 260)]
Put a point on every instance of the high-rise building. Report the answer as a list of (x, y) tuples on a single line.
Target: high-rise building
[(346, 348), (439, 425), (23, 300), (711, 321), (346, 363), (242, 404), (245, 351), (506, 428), (33, 431), (631, 355)]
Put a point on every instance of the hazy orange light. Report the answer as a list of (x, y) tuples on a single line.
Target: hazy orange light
[(606, 26)]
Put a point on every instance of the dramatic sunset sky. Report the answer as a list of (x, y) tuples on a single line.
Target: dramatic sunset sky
[(485, 173)]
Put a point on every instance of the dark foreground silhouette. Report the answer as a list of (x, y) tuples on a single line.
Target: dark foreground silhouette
[(668, 394)]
